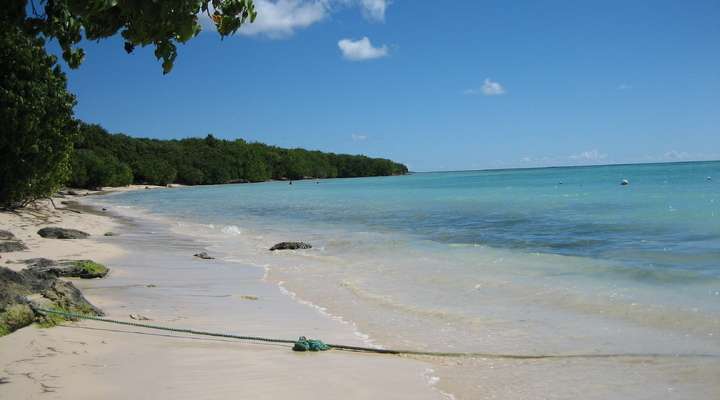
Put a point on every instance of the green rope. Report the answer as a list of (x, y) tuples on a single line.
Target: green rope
[(304, 344)]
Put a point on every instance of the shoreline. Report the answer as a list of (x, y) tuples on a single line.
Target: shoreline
[(89, 359), (247, 290)]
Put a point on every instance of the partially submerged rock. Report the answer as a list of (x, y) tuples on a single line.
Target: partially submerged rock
[(53, 232), (86, 269), (6, 235), (291, 246), (204, 255)]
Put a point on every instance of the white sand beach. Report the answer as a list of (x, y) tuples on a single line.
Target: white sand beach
[(154, 274)]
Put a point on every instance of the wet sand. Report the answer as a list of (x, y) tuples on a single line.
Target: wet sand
[(155, 275)]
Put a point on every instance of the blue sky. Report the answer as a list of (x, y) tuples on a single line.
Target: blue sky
[(436, 85)]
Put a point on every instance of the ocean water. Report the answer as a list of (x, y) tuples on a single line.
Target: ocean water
[(525, 261)]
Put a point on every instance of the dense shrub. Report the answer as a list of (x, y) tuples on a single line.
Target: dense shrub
[(210, 160), (91, 170), (36, 111)]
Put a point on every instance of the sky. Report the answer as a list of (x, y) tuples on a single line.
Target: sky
[(450, 85)]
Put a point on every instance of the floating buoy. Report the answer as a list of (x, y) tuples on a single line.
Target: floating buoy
[(625, 182), (709, 178)]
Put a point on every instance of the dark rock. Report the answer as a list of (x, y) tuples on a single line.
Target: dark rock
[(45, 290), (7, 246), (38, 262), (204, 255), (85, 269), (109, 234), (66, 296), (6, 235), (291, 246), (54, 232)]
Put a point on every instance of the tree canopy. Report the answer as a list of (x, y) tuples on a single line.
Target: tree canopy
[(36, 111), (196, 161), (162, 24)]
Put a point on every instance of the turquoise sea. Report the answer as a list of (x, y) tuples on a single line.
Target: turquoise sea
[(525, 260)]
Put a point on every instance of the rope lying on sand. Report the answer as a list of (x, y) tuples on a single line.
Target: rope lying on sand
[(304, 344)]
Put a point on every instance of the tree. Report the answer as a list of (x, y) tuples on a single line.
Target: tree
[(92, 170), (37, 120), (154, 171), (139, 22)]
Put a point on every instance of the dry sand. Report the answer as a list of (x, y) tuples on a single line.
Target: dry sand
[(154, 274)]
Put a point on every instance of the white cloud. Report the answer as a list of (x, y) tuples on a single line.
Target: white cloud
[(490, 88), (358, 138), (374, 9), (676, 155), (360, 50), (280, 18), (588, 156)]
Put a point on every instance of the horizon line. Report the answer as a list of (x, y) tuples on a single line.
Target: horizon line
[(566, 166)]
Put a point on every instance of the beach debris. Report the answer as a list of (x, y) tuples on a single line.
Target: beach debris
[(204, 255), (85, 269), (53, 232), (291, 246), (305, 344), (150, 285), (624, 182), (139, 317), (248, 297), (109, 234)]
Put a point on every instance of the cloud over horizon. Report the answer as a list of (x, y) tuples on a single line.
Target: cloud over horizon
[(361, 49), (588, 156)]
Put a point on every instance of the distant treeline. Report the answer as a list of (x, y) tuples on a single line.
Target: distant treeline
[(104, 159)]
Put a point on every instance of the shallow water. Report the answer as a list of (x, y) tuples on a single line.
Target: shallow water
[(540, 261)]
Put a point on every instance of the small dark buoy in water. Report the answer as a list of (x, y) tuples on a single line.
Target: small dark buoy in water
[(709, 178), (624, 182), (290, 183)]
